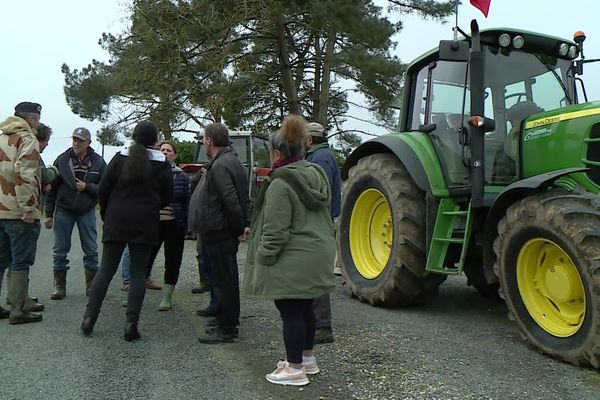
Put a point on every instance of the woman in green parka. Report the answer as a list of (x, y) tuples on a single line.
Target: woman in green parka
[(292, 247)]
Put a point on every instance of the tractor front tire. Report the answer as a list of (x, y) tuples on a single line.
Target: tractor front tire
[(382, 237), (548, 263)]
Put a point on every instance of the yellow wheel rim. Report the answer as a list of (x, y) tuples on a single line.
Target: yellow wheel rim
[(371, 233), (551, 287)]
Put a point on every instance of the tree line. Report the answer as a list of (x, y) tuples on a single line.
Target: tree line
[(248, 63)]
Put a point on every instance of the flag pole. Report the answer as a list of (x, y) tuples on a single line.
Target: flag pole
[(456, 20)]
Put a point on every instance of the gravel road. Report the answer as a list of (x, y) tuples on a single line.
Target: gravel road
[(459, 346)]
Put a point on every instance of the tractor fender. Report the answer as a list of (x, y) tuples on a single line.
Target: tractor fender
[(391, 144), (513, 192)]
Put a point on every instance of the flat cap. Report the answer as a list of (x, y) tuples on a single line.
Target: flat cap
[(315, 129)]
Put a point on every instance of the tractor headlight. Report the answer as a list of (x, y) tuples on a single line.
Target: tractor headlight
[(518, 42), (504, 40), (563, 49), (573, 51)]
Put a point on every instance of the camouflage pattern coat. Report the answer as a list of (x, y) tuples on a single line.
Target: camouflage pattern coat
[(20, 173)]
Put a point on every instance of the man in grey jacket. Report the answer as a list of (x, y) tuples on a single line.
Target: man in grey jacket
[(71, 201)]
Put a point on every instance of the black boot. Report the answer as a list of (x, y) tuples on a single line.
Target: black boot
[(131, 332), (4, 313), (87, 326), (217, 335)]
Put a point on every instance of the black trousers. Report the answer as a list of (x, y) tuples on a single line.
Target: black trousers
[(226, 281), (111, 257), (173, 239), (298, 327)]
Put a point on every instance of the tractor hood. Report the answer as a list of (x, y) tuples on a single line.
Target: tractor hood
[(561, 139)]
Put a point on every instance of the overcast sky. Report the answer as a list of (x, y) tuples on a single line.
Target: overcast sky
[(38, 36)]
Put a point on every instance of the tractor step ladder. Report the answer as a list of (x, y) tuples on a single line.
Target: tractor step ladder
[(449, 231)]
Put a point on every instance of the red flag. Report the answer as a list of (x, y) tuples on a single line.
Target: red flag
[(482, 5)]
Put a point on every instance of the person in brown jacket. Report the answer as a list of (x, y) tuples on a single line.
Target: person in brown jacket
[(20, 181)]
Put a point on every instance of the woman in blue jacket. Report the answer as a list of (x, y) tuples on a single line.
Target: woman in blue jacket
[(173, 226)]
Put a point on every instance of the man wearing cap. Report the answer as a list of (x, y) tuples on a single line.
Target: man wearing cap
[(71, 201), (318, 152), (20, 180)]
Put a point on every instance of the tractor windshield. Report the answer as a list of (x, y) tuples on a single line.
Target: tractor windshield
[(517, 84)]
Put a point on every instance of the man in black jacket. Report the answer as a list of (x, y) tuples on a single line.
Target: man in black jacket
[(219, 213), (71, 201)]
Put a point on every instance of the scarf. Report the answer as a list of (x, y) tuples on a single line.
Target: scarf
[(286, 161)]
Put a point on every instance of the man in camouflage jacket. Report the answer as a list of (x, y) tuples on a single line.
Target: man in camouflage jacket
[(20, 183)]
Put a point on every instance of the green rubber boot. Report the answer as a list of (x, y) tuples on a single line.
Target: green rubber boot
[(167, 301)]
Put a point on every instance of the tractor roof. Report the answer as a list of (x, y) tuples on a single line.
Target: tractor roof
[(534, 42)]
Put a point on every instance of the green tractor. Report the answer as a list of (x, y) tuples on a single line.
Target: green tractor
[(494, 172)]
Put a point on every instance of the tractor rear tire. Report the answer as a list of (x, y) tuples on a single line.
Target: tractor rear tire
[(382, 236), (548, 262), (476, 278)]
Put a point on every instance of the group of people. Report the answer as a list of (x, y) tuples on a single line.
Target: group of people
[(146, 202)]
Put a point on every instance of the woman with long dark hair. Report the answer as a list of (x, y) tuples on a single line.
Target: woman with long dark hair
[(137, 183)]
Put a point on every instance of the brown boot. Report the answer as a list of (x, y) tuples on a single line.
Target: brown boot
[(202, 288), (89, 277), (60, 285)]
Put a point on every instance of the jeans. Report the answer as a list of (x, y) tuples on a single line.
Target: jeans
[(64, 220), (125, 265), (18, 243), (322, 310)]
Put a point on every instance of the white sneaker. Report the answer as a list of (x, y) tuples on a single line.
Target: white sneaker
[(337, 271), (310, 367), (286, 375)]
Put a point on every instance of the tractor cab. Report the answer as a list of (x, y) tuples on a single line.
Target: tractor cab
[(523, 74)]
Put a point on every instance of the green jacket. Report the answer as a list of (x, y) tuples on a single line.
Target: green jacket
[(291, 249)]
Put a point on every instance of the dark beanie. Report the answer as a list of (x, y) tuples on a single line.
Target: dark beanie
[(145, 133), (28, 107)]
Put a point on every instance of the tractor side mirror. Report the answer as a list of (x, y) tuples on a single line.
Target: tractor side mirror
[(453, 50)]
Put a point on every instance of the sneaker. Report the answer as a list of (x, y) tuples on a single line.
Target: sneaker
[(337, 271), (310, 367), (323, 335), (286, 375)]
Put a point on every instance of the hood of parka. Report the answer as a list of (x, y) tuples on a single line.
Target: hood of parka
[(308, 180), (13, 124)]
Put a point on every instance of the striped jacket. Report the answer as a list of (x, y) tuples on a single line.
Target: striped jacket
[(20, 174)]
